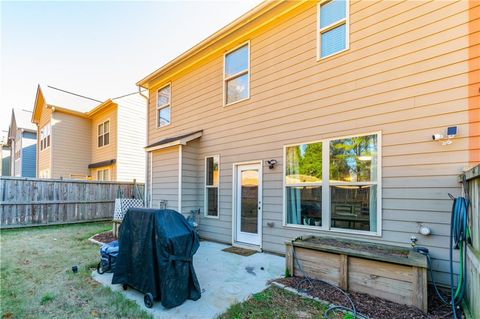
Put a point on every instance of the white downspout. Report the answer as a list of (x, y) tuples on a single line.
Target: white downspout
[(180, 178)]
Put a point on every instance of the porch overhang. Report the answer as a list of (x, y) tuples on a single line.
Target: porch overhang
[(102, 163), (173, 141)]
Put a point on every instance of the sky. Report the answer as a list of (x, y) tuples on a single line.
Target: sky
[(98, 49)]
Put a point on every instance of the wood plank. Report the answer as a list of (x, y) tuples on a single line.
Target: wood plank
[(343, 272)]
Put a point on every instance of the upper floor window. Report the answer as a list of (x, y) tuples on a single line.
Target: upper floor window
[(211, 186), (45, 136), (103, 134), (332, 27), (236, 75), (164, 97)]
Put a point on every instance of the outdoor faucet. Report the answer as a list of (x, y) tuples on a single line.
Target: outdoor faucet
[(413, 241)]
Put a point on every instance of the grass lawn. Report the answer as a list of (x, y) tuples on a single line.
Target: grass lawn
[(275, 303), (36, 280)]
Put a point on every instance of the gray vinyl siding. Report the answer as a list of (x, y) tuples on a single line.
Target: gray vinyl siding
[(405, 75), (165, 177), (70, 145), (191, 181)]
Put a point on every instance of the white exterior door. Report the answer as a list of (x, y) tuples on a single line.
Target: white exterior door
[(248, 204)]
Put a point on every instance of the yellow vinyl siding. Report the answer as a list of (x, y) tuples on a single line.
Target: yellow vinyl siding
[(109, 151), (44, 157), (70, 145), (406, 74)]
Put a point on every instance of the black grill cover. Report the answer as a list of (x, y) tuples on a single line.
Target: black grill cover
[(155, 256)]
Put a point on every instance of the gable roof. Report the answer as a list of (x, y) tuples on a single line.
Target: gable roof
[(20, 119), (262, 14)]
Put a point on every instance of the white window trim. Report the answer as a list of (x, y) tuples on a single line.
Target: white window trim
[(158, 108), (205, 187), (345, 21), (50, 134), (247, 71), (109, 133), (326, 214)]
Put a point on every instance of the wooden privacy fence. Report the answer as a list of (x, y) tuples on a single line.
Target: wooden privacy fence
[(31, 201), (472, 177)]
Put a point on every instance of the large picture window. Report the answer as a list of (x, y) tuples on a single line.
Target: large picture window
[(334, 184), (164, 97), (211, 185), (236, 75), (332, 27)]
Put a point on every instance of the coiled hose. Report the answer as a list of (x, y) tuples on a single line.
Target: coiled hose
[(458, 237)]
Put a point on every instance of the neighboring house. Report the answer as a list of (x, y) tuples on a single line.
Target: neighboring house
[(344, 97), (82, 138), (5, 156), (22, 140)]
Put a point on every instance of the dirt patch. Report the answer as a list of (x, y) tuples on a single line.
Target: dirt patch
[(105, 237), (373, 307), (356, 246)]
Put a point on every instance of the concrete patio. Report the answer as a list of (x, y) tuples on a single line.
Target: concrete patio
[(225, 278)]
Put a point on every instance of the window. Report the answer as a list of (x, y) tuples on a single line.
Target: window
[(164, 96), (45, 173), (103, 134), (103, 175), (211, 186), (334, 184), (45, 136), (236, 75), (333, 27)]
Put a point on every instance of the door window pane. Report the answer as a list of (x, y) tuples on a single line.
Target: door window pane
[(354, 207), (304, 205), (249, 201), (304, 164), (237, 61), (237, 89), (354, 159)]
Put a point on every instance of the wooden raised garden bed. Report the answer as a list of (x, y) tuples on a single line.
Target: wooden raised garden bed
[(390, 272)]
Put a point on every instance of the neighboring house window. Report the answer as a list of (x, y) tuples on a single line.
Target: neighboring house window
[(164, 97), (211, 186), (334, 184), (103, 175), (236, 75), (333, 27), (44, 173), (104, 134), (45, 136)]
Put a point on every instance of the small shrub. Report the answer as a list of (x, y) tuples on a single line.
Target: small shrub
[(46, 298)]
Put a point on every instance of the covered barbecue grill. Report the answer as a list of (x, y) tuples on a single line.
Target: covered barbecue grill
[(156, 256)]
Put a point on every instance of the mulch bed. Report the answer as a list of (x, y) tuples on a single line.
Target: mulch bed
[(373, 307), (105, 237)]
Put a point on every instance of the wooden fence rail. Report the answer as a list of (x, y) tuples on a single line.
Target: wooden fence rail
[(29, 201)]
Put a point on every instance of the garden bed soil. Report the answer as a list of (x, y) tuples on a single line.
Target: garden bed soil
[(105, 237), (373, 307), (357, 246)]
